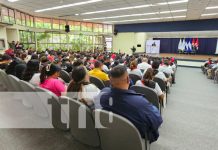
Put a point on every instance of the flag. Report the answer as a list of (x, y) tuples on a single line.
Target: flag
[(216, 47), (183, 45), (180, 45), (190, 45), (196, 44), (193, 43), (186, 44)]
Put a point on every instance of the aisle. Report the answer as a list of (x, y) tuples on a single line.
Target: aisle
[(191, 117)]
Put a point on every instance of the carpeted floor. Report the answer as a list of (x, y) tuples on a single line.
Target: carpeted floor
[(190, 121), (191, 117)]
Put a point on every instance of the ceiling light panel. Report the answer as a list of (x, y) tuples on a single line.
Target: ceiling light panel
[(68, 5)]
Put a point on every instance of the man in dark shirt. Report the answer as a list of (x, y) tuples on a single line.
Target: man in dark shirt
[(129, 104)]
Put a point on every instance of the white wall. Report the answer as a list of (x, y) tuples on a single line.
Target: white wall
[(125, 41), (12, 35), (3, 35)]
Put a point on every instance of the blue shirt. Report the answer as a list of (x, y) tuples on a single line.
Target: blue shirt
[(135, 108)]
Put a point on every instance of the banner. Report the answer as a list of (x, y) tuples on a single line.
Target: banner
[(153, 47)]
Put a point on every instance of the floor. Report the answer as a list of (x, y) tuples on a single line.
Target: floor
[(190, 121), (191, 117)]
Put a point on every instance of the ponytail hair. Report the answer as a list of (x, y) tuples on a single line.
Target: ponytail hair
[(48, 70)]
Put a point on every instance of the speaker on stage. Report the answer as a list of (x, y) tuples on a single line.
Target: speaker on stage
[(67, 28)]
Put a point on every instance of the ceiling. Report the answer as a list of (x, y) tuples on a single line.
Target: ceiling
[(152, 10)]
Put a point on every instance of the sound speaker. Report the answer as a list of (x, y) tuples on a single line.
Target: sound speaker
[(115, 32), (67, 28)]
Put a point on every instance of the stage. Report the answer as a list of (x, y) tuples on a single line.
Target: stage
[(186, 60)]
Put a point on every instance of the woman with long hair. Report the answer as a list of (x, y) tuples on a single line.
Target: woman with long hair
[(147, 81), (31, 72), (134, 70), (49, 79), (80, 87)]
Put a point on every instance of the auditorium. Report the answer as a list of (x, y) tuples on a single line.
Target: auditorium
[(108, 74)]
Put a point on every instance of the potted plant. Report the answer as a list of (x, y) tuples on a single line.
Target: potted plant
[(133, 49)]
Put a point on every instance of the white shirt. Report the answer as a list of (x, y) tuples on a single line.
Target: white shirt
[(144, 66), (157, 88), (166, 69), (161, 75), (135, 71), (35, 80)]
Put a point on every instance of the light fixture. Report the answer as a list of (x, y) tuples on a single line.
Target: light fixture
[(134, 15), (135, 7), (116, 9), (146, 19), (13, 1), (173, 2), (212, 7), (68, 5), (212, 14), (76, 14)]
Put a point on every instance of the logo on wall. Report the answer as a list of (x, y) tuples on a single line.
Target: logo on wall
[(154, 44)]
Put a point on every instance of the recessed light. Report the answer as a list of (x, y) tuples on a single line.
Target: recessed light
[(76, 14), (68, 5), (212, 14), (13, 0), (212, 7)]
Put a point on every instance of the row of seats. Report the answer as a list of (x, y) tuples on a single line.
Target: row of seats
[(210, 73), (92, 134)]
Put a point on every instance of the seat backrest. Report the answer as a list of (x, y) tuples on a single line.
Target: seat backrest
[(82, 125), (47, 98), (65, 76), (134, 78), (148, 93), (15, 83), (97, 82), (161, 83), (26, 86), (119, 134)]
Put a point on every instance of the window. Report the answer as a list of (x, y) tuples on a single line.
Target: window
[(62, 24), (77, 26), (110, 29), (28, 23), (71, 24), (11, 16), (47, 23), (27, 38), (56, 24), (31, 21), (18, 18), (4, 14), (89, 27), (23, 19), (98, 28)]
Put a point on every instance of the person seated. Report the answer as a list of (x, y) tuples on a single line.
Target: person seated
[(166, 68), (147, 81), (158, 74), (19, 70), (98, 73), (144, 65), (129, 104), (49, 79), (31, 73), (133, 69), (80, 87), (5, 60)]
